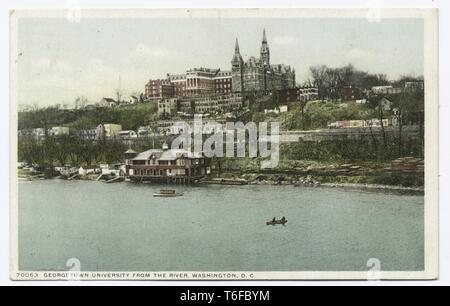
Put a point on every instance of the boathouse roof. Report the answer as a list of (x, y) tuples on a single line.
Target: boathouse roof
[(146, 154), (172, 154)]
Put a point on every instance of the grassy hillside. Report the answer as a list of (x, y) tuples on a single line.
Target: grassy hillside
[(130, 117)]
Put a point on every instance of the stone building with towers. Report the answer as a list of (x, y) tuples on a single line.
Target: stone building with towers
[(258, 74)]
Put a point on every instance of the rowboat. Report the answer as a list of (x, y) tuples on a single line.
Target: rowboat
[(167, 193), (275, 222)]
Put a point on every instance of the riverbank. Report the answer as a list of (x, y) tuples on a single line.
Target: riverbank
[(313, 182), (401, 175), (405, 173)]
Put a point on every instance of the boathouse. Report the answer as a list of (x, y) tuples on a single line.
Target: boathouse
[(166, 165)]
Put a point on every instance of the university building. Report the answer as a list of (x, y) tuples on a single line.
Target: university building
[(258, 74), (195, 82), (159, 88), (206, 104)]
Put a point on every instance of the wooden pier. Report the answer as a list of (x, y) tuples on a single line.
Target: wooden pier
[(169, 180)]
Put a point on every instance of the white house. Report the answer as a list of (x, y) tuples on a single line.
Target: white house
[(84, 171), (127, 134), (277, 110), (133, 100), (110, 169), (107, 102), (58, 131), (38, 133), (144, 131), (386, 90)]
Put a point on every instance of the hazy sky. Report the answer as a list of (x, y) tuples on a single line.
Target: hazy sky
[(61, 60)]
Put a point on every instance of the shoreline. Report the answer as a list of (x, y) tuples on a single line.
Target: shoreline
[(359, 186), (373, 187), (228, 182)]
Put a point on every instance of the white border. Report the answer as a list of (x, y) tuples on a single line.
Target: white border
[(279, 5)]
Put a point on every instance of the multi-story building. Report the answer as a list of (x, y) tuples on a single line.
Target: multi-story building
[(288, 94), (351, 93), (88, 134), (217, 104), (258, 74), (223, 82), (167, 107), (211, 104), (195, 82), (159, 88), (166, 163), (108, 130), (414, 86), (200, 82), (178, 82), (386, 90), (303, 94), (252, 75), (174, 127), (308, 93)]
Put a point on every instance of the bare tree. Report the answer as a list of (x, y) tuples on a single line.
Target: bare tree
[(80, 102), (319, 75)]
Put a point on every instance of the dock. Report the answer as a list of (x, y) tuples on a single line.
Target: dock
[(73, 176), (116, 179)]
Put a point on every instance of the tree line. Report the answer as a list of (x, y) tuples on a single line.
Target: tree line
[(130, 117), (69, 150), (331, 81)]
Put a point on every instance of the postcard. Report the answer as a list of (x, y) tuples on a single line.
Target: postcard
[(224, 144)]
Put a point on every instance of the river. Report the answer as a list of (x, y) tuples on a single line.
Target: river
[(122, 227)]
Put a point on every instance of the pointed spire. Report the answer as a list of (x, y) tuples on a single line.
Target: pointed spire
[(237, 58), (236, 47), (265, 53)]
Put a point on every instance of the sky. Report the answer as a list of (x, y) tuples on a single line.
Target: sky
[(61, 60)]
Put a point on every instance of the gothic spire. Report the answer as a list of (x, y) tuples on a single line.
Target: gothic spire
[(265, 53), (237, 58)]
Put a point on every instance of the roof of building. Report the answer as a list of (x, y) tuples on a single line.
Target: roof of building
[(126, 131), (382, 87), (224, 73), (109, 100), (172, 154), (130, 151), (176, 76), (147, 154), (281, 68)]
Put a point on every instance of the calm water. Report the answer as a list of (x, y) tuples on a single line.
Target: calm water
[(121, 227)]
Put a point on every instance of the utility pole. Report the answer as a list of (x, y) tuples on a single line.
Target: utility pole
[(119, 90)]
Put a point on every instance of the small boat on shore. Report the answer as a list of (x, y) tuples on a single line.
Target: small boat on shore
[(274, 222), (167, 193)]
